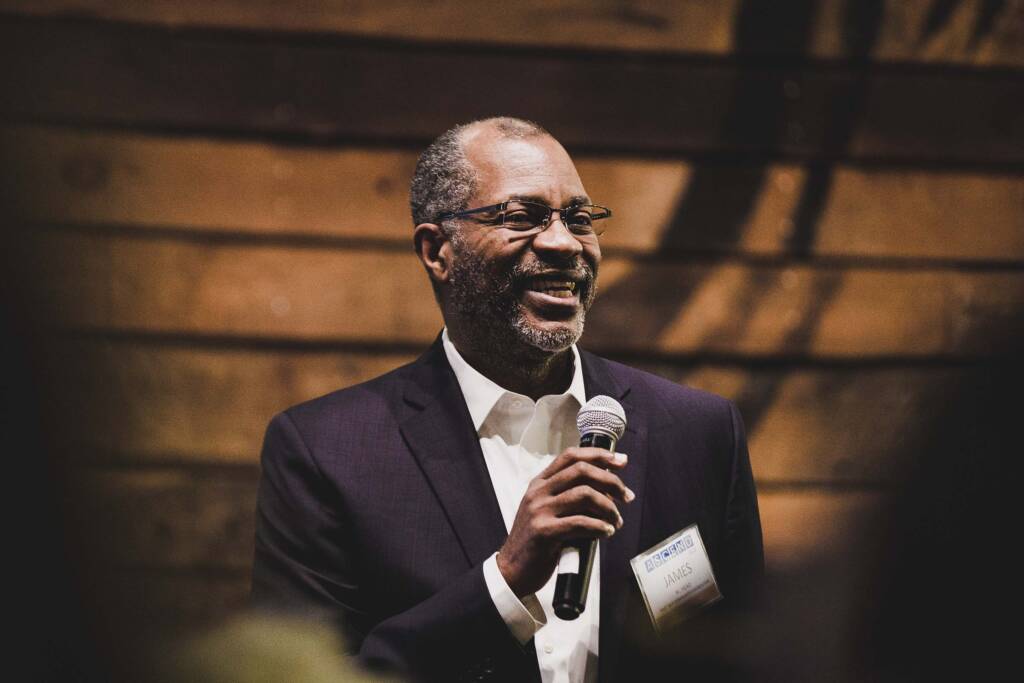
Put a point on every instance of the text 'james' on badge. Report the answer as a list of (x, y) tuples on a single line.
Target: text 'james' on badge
[(675, 578)]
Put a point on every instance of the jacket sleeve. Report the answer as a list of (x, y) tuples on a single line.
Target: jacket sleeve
[(743, 575), (305, 562)]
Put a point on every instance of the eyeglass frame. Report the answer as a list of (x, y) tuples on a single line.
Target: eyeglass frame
[(502, 206)]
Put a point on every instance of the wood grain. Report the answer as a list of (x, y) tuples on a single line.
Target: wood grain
[(170, 518), (801, 527), (169, 286), (175, 520), (907, 30), (149, 602), (147, 404), (166, 591), (818, 215), (209, 185), (331, 91)]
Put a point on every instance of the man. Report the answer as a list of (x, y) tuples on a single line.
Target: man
[(425, 509)]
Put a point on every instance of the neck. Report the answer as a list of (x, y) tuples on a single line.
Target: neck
[(524, 369)]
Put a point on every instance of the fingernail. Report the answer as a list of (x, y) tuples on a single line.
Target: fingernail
[(609, 530), (619, 525), (621, 458), (629, 495)]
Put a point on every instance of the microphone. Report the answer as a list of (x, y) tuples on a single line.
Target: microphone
[(601, 423)]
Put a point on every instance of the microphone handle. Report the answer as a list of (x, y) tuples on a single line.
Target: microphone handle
[(571, 588)]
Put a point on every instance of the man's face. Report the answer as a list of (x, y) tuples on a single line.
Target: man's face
[(512, 288)]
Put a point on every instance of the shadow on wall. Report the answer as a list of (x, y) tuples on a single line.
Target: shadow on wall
[(720, 197), (926, 586)]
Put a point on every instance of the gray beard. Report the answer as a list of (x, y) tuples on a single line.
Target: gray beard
[(493, 312), (552, 341)]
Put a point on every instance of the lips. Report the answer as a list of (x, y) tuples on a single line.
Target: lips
[(559, 294)]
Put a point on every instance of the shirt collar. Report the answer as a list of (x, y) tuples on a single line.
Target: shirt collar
[(481, 393)]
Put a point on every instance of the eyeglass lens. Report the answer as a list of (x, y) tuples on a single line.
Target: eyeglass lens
[(524, 215)]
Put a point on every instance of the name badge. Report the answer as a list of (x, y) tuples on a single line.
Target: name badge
[(675, 578)]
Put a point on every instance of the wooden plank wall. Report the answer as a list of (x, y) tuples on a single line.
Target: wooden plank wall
[(819, 213)]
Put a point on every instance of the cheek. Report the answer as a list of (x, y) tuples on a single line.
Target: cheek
[(592, 253), (500, 248)]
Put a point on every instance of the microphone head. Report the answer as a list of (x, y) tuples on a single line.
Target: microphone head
[(602, 414)]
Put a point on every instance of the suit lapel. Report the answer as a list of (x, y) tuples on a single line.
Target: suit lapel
[(616, 552), (439, 432)]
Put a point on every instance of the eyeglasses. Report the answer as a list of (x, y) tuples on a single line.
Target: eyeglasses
[(527, 216)]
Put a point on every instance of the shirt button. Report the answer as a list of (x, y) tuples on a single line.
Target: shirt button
[(549, 648)]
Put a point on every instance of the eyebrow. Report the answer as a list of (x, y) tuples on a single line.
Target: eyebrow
[(573, 201)]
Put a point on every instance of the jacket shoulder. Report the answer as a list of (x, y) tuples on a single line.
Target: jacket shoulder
[(330, 417), (665, 401)]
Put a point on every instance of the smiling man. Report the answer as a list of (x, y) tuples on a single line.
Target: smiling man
[(524, 288), (425, 510)]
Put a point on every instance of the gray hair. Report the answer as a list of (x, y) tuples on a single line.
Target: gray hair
[(444, 179)]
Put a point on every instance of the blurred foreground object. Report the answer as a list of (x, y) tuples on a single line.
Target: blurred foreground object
[(262, 649)]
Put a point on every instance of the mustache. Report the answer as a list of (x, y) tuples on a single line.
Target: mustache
[(580, 272)]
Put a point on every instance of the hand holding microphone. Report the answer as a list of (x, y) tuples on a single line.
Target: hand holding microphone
[(571, 503)]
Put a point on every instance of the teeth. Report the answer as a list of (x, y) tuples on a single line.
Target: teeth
[(545, 284), (562, 289)]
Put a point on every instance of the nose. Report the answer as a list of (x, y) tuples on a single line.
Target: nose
[(556, 238)]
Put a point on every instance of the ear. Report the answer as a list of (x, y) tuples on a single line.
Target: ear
[(434, 250)]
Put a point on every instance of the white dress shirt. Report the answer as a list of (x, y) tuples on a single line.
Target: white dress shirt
[(519, 438)]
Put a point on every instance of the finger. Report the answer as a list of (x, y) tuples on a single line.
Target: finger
[(585, 473), (575, 527), (574, 454), (584, 500)]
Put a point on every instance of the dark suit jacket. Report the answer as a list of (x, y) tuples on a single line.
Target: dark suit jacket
[(375, 508)]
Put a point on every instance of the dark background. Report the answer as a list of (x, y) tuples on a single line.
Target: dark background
[(819, 214)]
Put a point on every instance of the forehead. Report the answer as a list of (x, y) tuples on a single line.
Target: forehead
[(534, 167)]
